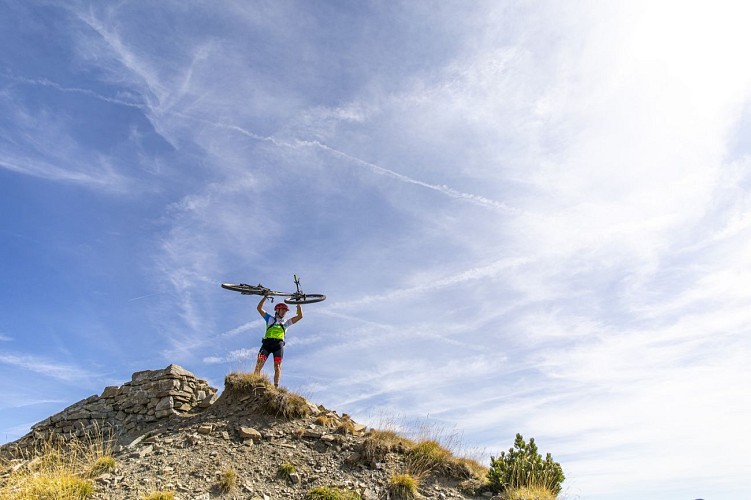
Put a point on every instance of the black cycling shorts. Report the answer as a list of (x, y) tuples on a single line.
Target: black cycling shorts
[(275, 347)]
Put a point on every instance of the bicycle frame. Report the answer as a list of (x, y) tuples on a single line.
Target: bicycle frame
[(296, 297)]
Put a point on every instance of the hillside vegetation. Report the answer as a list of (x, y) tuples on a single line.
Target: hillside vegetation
[(260, 442)]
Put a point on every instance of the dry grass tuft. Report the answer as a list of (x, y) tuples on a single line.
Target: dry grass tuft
[(346, 427), (289, 405), (379, 443), (246, 383), (403, 487), (390, 437), (474, 467), (57, 468), (59, 485), (274, 401), (332, 493), (428, 456), (227, 481), (528, 493), (424, 457), (325, 421), (160, 495), (103, 465), (285, 471)]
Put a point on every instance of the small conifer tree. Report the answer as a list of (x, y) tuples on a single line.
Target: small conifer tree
[(523, 466)]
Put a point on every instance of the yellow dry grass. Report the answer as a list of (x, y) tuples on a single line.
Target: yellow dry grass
[(227, 481), (528, 493), (403, 487), (275, 401), (160, 495), (57, 468)]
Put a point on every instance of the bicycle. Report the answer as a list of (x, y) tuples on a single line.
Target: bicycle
[(298, 297)]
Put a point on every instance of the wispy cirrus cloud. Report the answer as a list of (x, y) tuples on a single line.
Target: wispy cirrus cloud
[(48, 367), (40, 145), (440, 282), (104, 179), (232, 356), (15, 402), (441, 188), (44, 82)]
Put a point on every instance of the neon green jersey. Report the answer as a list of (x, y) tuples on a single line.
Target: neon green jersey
[(274, 329)]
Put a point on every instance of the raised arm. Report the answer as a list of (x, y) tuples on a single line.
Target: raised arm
[(260, 306), (298, 316)]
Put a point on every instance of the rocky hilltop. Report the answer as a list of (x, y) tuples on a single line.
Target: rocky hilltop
[(151, 395), (168, 431)]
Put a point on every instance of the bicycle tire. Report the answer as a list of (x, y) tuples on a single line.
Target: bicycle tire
[(306, 298), (246, 289)]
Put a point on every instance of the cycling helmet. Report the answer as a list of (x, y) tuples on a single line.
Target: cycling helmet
[(281, 306)]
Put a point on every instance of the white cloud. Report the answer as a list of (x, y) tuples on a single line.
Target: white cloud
[(106, 179), (47, 367), (232, 356), (87, 92), (438, 282), (447, 190), (41, 144), (22, 403)]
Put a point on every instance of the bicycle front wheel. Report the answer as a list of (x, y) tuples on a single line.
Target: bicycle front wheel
[(305, 298)]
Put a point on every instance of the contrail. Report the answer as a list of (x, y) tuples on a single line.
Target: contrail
[(145, 296), (441, 188), (48, 83), (472, 274)]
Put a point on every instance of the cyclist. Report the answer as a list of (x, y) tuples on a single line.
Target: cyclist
[(273, 340)]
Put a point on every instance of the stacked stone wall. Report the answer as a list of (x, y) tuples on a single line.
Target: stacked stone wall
[(151, 395)]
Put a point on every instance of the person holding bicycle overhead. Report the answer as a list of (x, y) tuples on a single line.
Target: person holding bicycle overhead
[(273, 340)]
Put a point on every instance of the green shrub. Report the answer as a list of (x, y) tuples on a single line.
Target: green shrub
[(331, 493), (403, 487), (523, 466)]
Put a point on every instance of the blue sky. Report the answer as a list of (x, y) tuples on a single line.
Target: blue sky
[(527, 217)]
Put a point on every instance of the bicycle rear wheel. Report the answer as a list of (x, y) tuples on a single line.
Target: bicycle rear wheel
[(246, 289), (305, 298)]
